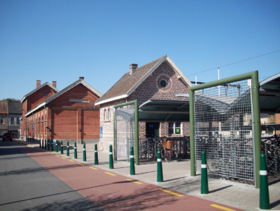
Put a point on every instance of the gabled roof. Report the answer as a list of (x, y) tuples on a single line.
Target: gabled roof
[(129, 83), (35, 90), (71, 86)]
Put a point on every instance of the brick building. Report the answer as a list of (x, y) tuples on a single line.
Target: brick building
[(69, 114), (158, 80), (10, 113), (3, 117)]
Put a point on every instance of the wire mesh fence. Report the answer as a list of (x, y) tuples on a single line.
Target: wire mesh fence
[(223, 128), (124, 130)]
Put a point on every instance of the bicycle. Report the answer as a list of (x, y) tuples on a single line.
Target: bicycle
[(166, 148)]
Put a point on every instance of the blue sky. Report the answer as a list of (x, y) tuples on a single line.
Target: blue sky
[(62, 40)]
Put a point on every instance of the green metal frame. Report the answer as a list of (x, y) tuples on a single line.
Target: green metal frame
[(256, 116), (135, 102)]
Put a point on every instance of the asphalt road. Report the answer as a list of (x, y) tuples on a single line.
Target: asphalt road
[(26, 185)]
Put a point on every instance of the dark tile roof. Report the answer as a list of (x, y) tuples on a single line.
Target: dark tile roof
[(15, 107), (127, 82)]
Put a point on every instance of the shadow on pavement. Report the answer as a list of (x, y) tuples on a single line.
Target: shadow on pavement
[(80, 204), (218, 189), (144, 198), (35, 170), (274, 204)]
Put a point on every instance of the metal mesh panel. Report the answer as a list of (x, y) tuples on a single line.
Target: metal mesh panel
[(223, 128), (125, 130)]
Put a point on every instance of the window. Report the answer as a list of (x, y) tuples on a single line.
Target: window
[(163, 83), (104, 114), (18, 122), (174, 128), (12, 121), (78, 101), (2, 121)]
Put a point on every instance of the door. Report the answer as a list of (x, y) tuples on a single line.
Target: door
[(152, 129)]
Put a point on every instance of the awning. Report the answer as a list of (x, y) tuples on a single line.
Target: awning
[(270, 95), (168, 110), (164, 110)]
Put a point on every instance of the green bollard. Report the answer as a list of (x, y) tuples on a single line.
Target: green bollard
[(95, 155), (264, 192), (132, 167), (75, 151), (84, 153), (159, 167), (61, 147), (204, 178), (51, 145), (111, 163), (67, 150), (56, 146)]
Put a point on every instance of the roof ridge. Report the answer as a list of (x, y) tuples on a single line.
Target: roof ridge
[(153, 61), (127, 82), (38, 88)]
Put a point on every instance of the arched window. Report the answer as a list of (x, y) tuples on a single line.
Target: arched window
[(104, 114)]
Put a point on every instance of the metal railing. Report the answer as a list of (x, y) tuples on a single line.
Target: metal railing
[(148, 147)]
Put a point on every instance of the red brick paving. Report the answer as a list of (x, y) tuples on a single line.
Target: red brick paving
[(116, 192)]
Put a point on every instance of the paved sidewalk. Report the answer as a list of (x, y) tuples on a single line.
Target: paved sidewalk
[(177, 177)]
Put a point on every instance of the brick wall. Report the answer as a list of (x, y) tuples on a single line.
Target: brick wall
[(39, 96), (75, 121), (66, 120), (149, 89)]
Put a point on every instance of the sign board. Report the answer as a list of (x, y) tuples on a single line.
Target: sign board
[(101, 131)]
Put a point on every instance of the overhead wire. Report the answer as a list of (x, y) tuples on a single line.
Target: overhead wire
[(214, 68)]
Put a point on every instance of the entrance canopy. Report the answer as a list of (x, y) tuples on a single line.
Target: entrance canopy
[(164, 110), (168, 110), (270, 95)]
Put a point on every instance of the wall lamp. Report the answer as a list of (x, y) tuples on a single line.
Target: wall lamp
[(48, 128)]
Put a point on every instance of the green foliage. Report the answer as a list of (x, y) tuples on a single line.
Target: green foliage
[(272, 119), (11, 99)]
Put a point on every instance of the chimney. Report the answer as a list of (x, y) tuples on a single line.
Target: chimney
[(132, 68), (38, 83), (82, 78), (54, 84)]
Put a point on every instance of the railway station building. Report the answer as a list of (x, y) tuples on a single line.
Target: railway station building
[(69, 114), (153, 84)]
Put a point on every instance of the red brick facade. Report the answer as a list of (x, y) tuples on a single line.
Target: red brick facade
[(149, 89), (29, 103), (71, 116)]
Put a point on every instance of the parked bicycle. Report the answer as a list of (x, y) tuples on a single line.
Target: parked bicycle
[(167, 151)]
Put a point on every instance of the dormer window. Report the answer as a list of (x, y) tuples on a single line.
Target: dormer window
[(46, 93)]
